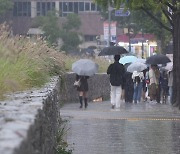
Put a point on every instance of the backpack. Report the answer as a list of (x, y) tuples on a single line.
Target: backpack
[(137, 79)]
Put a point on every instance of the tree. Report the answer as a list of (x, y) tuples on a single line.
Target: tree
[(5, 5), (69, 33), (170, 10), (53, 31), (139, 21), (50, 26)]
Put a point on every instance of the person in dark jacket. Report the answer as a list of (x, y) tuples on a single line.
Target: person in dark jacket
[(116, 72), (129, 87), (83, 89)]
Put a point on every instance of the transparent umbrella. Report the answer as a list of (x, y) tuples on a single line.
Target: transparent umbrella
[(127, 59), (85, 67), (136, 66)]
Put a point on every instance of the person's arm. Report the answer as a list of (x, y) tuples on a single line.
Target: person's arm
[(109, 69), (142, 76)]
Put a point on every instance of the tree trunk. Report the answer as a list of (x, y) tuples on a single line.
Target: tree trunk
[(176, 59)]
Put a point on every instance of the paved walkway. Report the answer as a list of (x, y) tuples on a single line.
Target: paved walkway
[(135, 129)]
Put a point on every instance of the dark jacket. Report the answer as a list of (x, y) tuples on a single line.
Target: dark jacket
[(84, 83), (116, 71)]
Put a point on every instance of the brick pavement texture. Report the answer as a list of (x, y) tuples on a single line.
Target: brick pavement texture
[(135, 129)]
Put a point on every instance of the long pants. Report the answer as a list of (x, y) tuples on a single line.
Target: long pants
[(171, 94), (137, 92), (116, 92)]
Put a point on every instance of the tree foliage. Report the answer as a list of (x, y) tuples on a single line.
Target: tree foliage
[(50, 26), (73, 22), (170, 10), (5, 5), (53, 31), (150, 7)]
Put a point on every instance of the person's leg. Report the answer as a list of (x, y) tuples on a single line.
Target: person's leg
[(113, 95), (85, 99), (81, 99), (158, 99), (139, 92), (118, 96), (170, 93), (135, 93)]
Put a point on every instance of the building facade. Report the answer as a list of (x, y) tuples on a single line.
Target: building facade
[(24, 11)]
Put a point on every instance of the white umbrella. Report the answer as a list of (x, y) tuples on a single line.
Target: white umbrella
[(136, 66), (169, 66), (85, 67), (141, 60)]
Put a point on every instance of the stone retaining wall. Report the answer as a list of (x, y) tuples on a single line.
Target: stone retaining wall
[(98, 87), (29, 120)]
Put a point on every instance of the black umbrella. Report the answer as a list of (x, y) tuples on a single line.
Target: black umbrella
[(113, 50), (158, 59)]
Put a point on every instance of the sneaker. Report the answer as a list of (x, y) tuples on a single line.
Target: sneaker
[(113, 106), (117, 109), (80, 106)]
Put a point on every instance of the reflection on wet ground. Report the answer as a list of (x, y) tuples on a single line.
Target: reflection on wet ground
[(135, 129)]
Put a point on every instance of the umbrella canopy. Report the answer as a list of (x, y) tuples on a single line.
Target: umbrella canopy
[(141, 60), (157, 59), (127, 59), (85, 67), (136, 66), (113, 50)]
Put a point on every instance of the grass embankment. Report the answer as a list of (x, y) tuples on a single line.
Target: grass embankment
[(25, 64)]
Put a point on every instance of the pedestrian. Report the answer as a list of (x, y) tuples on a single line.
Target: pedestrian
[(128, 87), (116, 72), (82, 89), (154, 76), (164, 86), (144, 89), (170, 85), (158, 87), (138, 78)]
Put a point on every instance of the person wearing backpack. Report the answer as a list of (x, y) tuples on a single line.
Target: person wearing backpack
[(138, 78)]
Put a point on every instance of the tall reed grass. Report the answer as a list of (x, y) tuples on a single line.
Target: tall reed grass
[(25, 63)]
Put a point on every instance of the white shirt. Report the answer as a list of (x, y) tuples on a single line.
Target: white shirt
[(140, 74)]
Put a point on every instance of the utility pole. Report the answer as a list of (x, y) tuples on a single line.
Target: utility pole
[(109, 27), (142, 47)]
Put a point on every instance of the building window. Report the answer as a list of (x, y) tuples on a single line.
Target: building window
[(75, 7), (44, 7), (87, 6), (93, 7), (22, 9)]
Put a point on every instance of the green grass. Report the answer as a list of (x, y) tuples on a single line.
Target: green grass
[(25, 64)]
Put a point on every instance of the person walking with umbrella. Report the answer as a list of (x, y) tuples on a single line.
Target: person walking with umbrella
[(116, 72), (83, 89), (84, 68), (138, 78), (154, 76)]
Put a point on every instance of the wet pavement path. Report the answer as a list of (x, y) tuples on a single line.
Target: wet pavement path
[(134, 129)]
